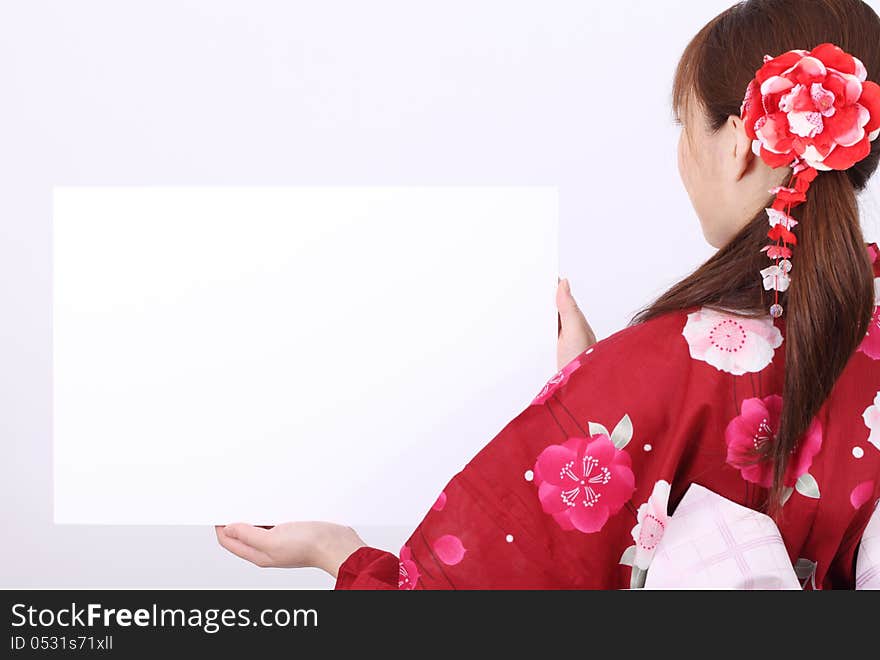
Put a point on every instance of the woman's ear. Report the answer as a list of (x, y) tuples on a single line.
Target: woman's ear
[(741, 153)]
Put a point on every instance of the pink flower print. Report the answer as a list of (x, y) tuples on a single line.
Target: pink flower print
[(409, 572), (559, 379), (650, 525), (756, 425), (871, 416), (584, 481), (729, 342), (441, 502), (449, 549), (873, 253), (870, 345), (861, 494)]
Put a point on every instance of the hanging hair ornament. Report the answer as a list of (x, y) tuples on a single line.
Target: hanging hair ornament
[(809, 110)]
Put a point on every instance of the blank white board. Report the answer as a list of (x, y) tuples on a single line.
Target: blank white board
[(265, 354)]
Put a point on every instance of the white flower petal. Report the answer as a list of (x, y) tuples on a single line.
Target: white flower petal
[(857, 132), (861, 72), (776, 84), (810, 64), (853, 87), (814, 159), (785, 103), (854, 136), (775, 278), (776, 217), (765, 143), (872, 414), (656, 506), (805, 124)]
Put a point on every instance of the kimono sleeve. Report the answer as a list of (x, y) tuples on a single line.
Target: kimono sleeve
[(369, 568), (551, 502)]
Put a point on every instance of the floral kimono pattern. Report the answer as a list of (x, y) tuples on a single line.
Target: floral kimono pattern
[(556, 500)]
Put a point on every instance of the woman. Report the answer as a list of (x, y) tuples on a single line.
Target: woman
[(757, 380)]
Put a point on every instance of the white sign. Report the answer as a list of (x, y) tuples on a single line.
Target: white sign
[(270, 354)]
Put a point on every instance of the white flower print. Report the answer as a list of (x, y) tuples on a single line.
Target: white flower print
[(650, 525), (872, 421), (651, 520), (730, 342)]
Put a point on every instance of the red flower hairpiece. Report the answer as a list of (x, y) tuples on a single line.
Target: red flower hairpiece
[(810, 110)]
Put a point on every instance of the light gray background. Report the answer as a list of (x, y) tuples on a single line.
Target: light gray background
[(572, 94)]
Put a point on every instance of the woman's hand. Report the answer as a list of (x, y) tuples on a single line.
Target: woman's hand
[(291, 545), (326, 545), (575, 334)]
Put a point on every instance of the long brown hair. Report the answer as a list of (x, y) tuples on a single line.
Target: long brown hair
[(830, 300)]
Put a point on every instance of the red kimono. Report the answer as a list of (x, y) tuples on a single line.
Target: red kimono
[(575, 491)]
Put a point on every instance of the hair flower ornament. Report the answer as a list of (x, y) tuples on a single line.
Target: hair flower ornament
[(776, 276), (812, 111)]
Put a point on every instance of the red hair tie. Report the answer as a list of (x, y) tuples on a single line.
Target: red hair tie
[(809, 110)]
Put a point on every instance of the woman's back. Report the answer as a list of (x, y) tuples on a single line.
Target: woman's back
[(573, 492)]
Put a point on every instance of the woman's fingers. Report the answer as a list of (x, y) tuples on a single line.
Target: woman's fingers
[(558, 315), (256, 537), (247, 553), (232, 541), (565, 303), (575, 334), (571, 317)]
